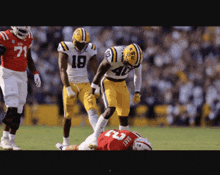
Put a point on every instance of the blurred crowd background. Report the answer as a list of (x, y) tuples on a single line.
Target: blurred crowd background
[(180, 67)]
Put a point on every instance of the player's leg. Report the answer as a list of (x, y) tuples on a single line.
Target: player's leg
[(90, 107), (68, 113), (22, 90), (123, 106), (11, 97), (109, 98)]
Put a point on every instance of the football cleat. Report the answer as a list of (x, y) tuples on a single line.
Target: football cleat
[(21, 31), (6, 143), (80, 39), (132, 55), (14, 146), (60, 146)]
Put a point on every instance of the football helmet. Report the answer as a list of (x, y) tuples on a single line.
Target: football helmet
[(21, 31), (142, 144), (80, 39), (132, 55)]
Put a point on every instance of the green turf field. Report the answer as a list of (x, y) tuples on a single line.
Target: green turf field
[(162, 138)]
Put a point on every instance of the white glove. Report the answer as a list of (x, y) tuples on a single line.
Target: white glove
[(70, 92), (37, 80)]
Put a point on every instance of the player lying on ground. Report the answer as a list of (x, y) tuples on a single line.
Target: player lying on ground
[(113, 140)]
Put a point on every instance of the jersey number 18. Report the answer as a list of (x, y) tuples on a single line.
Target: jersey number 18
[(80, 63)]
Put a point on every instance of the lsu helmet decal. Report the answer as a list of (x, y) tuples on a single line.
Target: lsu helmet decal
[(80, 38), (132, 55)]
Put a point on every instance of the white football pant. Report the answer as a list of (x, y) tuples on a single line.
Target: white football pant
[(14, 88)]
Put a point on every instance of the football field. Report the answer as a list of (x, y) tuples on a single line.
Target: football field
[(162, 138)]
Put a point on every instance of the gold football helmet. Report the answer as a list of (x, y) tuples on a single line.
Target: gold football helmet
[(80, 39), (132, 55)]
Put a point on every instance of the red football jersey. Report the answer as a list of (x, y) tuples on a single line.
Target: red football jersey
[(15, 57), (116, 140)]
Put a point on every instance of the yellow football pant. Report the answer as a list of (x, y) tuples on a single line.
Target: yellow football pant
[(116, 94), (82, 91)]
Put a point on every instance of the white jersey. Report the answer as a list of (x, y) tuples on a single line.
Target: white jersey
[(77, 61), (117, 70)]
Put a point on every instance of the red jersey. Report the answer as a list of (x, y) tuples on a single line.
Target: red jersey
[(15, 57), (116, 140)]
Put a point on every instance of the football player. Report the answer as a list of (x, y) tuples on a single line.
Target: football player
[(16, 56), (74, 57), (116, 65), (113, 140)]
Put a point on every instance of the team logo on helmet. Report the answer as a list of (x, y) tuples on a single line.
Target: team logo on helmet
[(81, 35), (133, 54), (80, 39)]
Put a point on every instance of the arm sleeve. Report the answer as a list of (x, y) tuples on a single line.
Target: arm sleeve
[(138, 78)]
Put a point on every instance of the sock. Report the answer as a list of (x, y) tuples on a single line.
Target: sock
[(66, 141), (100, 126), (93, 117), (5, 134), (11, 136), (124, 127)]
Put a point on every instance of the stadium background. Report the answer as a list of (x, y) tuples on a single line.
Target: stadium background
[(180, 75)]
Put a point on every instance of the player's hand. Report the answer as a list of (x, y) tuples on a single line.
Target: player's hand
[(97, 92), (70, 92), (136, 98), (37, 80), (91, 97)]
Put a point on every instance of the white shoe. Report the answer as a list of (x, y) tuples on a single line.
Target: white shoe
[(60, 146), (6, 143), (93, 141), (14, 146)]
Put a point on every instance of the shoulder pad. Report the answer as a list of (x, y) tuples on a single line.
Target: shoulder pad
[(111, 55), (4, 36), (93, 46), (30, 35), (63, 46)]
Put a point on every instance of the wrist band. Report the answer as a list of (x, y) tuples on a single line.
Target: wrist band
[(94, 86), (35, 72)]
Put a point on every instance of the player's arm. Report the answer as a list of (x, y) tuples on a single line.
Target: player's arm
[(31, 67), (63, 58), (137, 84), (30, 62), (72, 147), (93, 62), (63, 67), (102, 69), (2, 49)]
